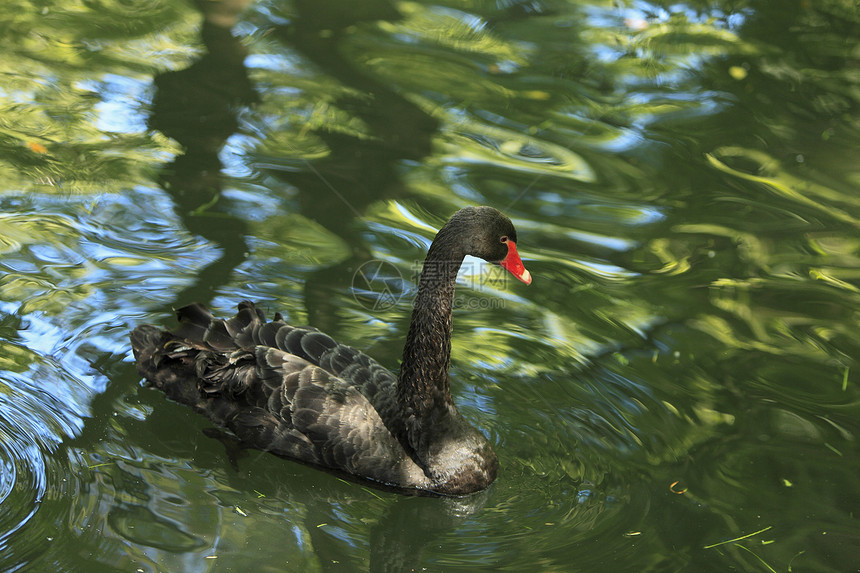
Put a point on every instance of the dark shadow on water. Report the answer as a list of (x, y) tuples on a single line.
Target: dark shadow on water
[(356, 172), (197, 107)]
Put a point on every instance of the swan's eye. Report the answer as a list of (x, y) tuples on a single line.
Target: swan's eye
[(504, 239)]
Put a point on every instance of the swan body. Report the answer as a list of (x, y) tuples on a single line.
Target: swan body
[(297, 393)]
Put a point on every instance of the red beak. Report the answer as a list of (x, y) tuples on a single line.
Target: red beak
[(514, 265)]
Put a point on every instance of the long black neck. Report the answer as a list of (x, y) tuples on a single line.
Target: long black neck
[(423, 388)]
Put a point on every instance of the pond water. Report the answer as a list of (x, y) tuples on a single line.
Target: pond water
[(677, 390)]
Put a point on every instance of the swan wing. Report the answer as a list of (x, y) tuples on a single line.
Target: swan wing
[(300, 410)]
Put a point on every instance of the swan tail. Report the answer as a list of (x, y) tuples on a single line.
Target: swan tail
[(170, 370)]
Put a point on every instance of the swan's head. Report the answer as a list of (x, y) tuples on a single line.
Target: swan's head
[(486, 233)]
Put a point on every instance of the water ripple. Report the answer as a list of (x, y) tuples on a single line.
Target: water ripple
[(32, 424)]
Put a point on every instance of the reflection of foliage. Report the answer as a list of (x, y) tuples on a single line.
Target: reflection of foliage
[(804, 192), (47, 234), (297, 239), (14, 358), (54, 142), (670, 43), (683, 180), (113, 19), (456, 32), (474, 143), (62, 270)]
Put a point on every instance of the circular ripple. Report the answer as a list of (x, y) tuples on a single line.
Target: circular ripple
[(23, 478), (33, 422)]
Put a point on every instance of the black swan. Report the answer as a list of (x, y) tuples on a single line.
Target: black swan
[(297, 393)]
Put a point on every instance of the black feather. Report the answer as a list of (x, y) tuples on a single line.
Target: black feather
[(298, 393)]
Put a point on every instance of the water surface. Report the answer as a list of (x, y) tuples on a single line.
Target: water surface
[(676, 391)]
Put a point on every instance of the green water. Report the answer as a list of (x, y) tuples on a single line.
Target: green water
[(677, 390)]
